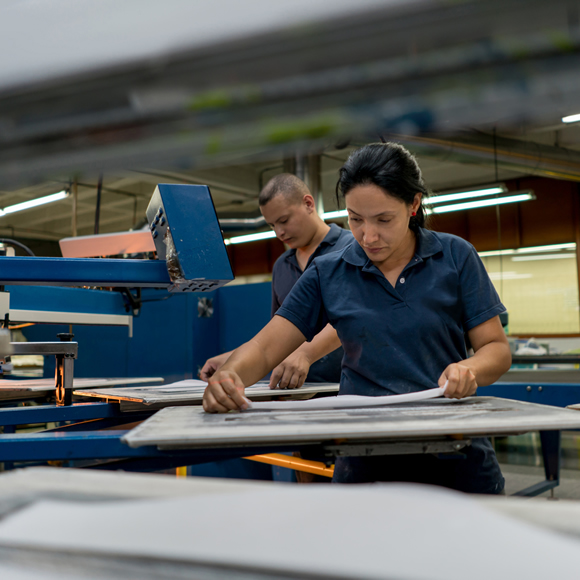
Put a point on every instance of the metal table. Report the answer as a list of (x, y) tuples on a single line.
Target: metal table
[(436, 426)]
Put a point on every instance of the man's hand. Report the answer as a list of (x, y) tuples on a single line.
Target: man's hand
[(212, 365), (291, 372), (461, 379), (224, 392)]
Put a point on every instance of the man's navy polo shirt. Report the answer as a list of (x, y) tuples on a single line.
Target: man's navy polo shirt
[(400, 339), (287, 272)]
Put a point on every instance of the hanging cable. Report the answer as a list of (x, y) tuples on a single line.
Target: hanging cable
[(16, 244), (498, 217), (98, 205)]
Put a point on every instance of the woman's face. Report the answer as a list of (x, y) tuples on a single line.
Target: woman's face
[(379, 222)]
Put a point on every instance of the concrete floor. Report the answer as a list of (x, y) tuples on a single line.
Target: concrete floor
[(521, 476)]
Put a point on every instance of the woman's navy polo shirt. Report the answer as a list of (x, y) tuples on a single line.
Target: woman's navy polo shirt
[(396, 340), (400, 340)]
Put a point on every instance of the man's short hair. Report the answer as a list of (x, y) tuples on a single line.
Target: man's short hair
[(286, 184)]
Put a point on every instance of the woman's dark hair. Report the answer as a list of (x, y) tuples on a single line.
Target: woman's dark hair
[(389, 166)]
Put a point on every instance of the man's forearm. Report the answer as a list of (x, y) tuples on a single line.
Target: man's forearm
[(256, 358), (325, 342)]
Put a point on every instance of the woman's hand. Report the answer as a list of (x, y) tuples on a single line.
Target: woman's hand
[(291, 372), (461, 381), (224, 392)]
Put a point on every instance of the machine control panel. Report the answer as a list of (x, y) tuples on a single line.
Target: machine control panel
[(187, 235)]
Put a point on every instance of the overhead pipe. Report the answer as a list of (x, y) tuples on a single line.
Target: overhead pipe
[(242, 224), (523, 156)]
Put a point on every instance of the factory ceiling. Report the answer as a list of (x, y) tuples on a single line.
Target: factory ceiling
[(235, 187), (475, 89)]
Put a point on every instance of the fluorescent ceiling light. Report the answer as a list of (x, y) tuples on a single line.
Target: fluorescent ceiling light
[(34, 202), (496, 253), (542, 257), (571, 119), (529, 250), (330, 215), (508, 276), (493, 190), (483, 203), (250, 238), (550, 248)]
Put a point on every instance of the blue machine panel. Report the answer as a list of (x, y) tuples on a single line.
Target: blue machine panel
[(83, 272), (242, 311), (170, 339), (555, 394), (187, 235), (54, 299)]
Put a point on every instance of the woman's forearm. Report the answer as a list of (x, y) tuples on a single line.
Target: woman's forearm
[(490, 362)]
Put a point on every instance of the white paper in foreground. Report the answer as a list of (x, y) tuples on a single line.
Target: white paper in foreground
[(402, 531), (346, 401)]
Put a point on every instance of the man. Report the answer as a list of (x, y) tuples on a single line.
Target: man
[(289, 209)]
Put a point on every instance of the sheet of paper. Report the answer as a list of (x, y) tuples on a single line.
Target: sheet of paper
[(402, 531), (346, 401)]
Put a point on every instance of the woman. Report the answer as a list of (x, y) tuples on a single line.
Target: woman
[(401, 299)]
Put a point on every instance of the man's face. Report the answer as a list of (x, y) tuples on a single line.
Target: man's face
[(290, 221)]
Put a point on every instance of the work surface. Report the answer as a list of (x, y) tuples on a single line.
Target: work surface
[(192, 427), (160, 527), (24, 388), (190, 392)]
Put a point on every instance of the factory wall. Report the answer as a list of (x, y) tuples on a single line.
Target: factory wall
[(552, 218), (255, 258), (541, 293)]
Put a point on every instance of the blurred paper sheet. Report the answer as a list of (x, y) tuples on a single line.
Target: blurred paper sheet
[(346, 401), (402, 531)]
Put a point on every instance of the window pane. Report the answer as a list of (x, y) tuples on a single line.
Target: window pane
[(539, 290)]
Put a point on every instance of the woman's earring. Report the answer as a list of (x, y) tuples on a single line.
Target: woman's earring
[(413, 214)]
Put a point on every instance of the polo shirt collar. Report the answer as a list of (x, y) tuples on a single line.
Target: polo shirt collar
[(427, 245), (329, 240), (332, 236)]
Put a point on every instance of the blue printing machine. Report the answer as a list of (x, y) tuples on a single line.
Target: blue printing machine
[(159, 321), (171, 338)]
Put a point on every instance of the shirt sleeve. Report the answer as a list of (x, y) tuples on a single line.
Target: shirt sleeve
[(276, 303), (303, 307), (275, 300), (480, 301)]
